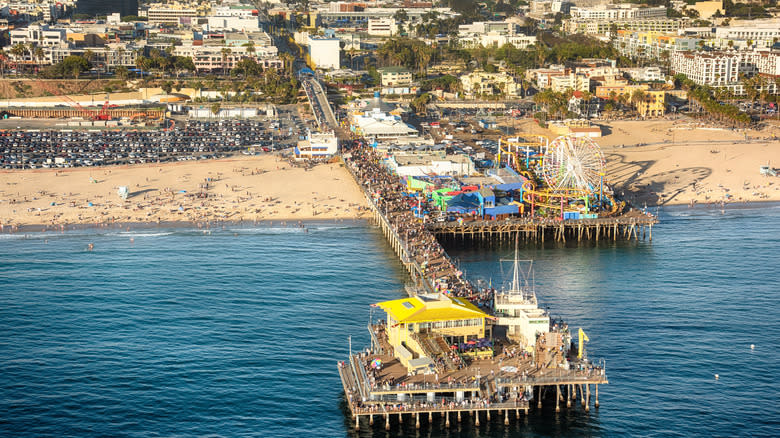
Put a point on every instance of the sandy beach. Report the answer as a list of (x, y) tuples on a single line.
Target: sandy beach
[(666, 162), (256, 188), (678, 162)]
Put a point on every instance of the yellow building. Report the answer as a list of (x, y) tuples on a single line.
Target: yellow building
[(426, 325), (653, 104)]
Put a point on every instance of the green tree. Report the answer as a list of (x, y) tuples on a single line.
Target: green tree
[(74, 65)]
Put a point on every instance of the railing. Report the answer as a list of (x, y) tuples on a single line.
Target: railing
[(449, 405), (406, 258), (568, 376), (426, 387)]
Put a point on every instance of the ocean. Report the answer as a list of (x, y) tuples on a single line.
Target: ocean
[(237, 331)]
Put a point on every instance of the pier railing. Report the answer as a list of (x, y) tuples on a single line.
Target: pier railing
[(449, 405), (398, 244)]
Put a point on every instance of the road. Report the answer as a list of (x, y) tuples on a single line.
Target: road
[(323, 113)]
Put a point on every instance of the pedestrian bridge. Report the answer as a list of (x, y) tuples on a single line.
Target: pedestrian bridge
[(318, 99)]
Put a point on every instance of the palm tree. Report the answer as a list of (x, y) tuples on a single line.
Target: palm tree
[(636, 97), (18, 51), (225, 52)]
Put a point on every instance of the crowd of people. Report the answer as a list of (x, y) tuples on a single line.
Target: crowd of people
[(405, 212)]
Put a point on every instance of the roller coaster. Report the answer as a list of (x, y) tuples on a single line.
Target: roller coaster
[(564, 175)]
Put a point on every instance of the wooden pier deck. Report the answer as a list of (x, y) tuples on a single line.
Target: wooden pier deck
[(496, 386), (627, 227)]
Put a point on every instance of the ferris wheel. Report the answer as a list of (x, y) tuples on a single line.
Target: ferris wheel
[(573, 163)]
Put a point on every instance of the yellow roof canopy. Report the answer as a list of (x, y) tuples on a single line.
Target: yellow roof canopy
[(429, 308)]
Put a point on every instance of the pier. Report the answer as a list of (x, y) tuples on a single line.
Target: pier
[(632, 226), (425, 376)]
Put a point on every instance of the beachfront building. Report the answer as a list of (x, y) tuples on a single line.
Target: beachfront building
[(648, 103), (317, 145), (575, 127), (727, 68), (421, 329)]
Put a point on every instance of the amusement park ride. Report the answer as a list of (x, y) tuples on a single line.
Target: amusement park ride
[(564, 175)]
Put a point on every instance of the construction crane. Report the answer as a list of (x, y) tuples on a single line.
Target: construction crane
[(103, 114), (92, 115)]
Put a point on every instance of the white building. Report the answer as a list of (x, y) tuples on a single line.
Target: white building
[(225, 22), (317, 145), (235, 11), (325, 52), (169, 14), (617, 12), (430, 164), (41, 35), (760, 33), (493, 34), (645, 74), (211, 58), (571, 81), (725, 69), (382, 27)]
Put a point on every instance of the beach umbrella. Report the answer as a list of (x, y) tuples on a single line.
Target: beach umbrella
[(376, 364)]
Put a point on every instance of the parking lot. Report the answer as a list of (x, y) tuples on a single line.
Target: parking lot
[(187, 140)]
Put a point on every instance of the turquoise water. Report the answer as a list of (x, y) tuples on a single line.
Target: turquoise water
[(237, 332)]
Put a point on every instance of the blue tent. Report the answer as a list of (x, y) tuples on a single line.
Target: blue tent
[(465, 203)]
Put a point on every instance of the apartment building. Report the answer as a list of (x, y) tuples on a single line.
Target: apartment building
[(758, 34), (570, 81), (395, 76), (652, 45), (617, 12), (112, 55), (715, 69), (604, 27), (645, 74), (217, 58), (480, 83)]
